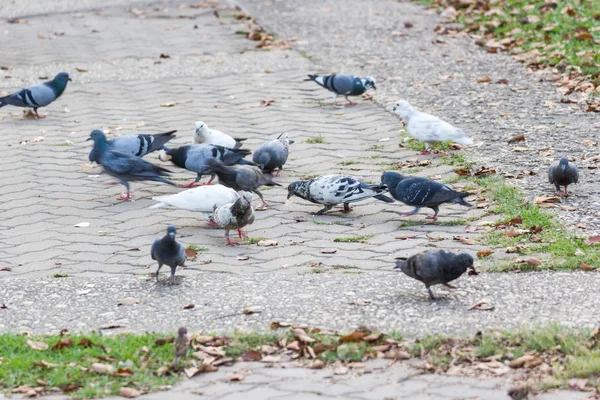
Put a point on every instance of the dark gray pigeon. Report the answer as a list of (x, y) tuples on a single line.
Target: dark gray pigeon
[(37, 96), (242, 177), (137, 145), (167, 251), (563, 173), (434, 267), (273, 154), (125, 167), (330, 190), (344, 85), (421, 192), (195, 158)]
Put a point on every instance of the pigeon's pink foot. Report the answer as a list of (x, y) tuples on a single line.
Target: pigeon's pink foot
[(230, 243), (189, 185), (241, 234), (125, 196), (433, 217), (277, 173), (406, 214), (39, 116), (264, 204), (110, 183), (212, 224), (423, 152)]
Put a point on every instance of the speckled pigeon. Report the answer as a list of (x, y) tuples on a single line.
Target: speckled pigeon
[(37, 96), (242, 177), (330, 190), (273, 154), (195, 158), (421, 192), (344, 85), (434, 267), (563, 173), (137, 145), (167, 251), (235, 216), (204, 135), (125, 167), (429, 129)]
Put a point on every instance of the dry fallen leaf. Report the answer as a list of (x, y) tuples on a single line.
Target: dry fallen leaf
[(252, 310), (586, 267), (266, 102), (518, 138), (163, 341), (353, 337), (405, 237), (267, 243), (484, 79), (129, 393), (302, 336), (482, 306), (236, 377), (526, 361), (162, 370), (37, 345), (81, 69), (593, 241), (252, 355), (169, 104), (44, 364), (328, 251), (484, 253), (63, 343), (271, 359), (100, 368), (465, 240)]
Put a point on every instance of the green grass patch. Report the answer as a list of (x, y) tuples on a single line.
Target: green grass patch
[(196, 247), (408, 224), (315, 140), (453, 222), (353, 239), (348, 162), (254, 240), (57, 275), (376, 147)]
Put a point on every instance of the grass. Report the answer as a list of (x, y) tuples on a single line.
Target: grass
[(415, 145), (408, 224), (196, 247), (305, 54), (316, 139), (453, 222), (254, 240), (353, 239), (457, 159), (348, 162), (376, 147), (60, 275)]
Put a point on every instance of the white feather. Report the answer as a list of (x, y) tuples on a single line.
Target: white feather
[(204, 135)]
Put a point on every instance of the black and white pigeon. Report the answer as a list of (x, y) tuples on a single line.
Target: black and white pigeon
[(242, 177), (125, 167), (421, 192), (344, 85), (434, 267), (563, 173), (428, 128), (235, 216), (204, 135), (167, 251), (195, 158), (273, 154), (137, 145), (37, 96), (330, 190)]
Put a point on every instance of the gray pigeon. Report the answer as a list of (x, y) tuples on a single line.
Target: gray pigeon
[(195, 158), (37, 96), (273, 154), (137, 145), (242, 177), (434, 267), (125, 167), (168, 251), (235, 216), (421, 192), (344, 85), (330, 190), (563, 173)]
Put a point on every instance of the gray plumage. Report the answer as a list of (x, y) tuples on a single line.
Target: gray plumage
[(125, 167), (563, 173), (421, 192), (167, 251), (242, 177), (196, 158), (137, 145), (434, 267), (273, 154), (330, 190), (37, 96), (181, 345), (235, 216), (344, 85)]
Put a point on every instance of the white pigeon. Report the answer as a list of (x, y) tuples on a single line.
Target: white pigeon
[(428, 128), (204, 135), (203, 199), (235, 215)]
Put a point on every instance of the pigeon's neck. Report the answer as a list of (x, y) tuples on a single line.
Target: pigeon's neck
[(453, 272), (179, 156), (302, 189), (100, 146), (58, 86)]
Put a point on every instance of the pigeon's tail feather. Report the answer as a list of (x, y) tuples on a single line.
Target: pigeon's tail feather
[(160, 139), (312, 77), (239, 140), (400, 263), (163, 180), (466, 141), (246, 162), (462, 201), (383, 198), (159, 205)]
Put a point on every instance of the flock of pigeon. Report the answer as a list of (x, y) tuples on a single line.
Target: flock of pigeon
[(219, 155)]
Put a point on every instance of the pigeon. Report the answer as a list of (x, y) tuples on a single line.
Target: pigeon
[(204, 135), (421, 192), (433, 267), (181, 345), (344, 85), (137, 145), (235, 216), (202, 199), (330, 190), (125, 167), (427, 128), (563, 173), (195, 158), (168, 251), (242, 177), (273, 154), (37, 96)]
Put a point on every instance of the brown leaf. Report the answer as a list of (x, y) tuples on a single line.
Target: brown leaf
[(578, 384), (484, 253), (397, 354), (533, 261), (328, 251), (236, 377), (129, 393), (373, 337), (271, 359), (124, 372), (164, 340), (30, 393), (169, 104), (191, 372), (526, 361), (63, 343), (163, 55), (518, 138), (162, 370), (513, 232), (6, 269), (252, 355), (81, 69), (302, 336), (465, 240), (111, 326), (484, 79), (190, 253), (405, 237), (353, 337), (102, 369), (593, 240), (44, 364), (584, 36), (69, 387), (502, 82), (189, 306), (317, 364), (266, 102), (37, 345), (482, 306), (586, 267), (3, 306)]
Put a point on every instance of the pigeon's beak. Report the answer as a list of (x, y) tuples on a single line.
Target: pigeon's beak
[(472, 270), (88, 139), (291, 142), (70, 80), (374, 88)]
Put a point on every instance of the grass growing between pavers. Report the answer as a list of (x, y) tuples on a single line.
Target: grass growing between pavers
[(92, 366), (353, 239)]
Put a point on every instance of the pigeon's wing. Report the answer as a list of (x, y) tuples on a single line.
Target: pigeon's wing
[(341, 84), (428, 128), (221, 139), (202, 199), (181, 256), (427, 267), (573, 173), (154, 248), (197, 157), (33, 96), (552, 171), (135, 145), (117, 163), (421, 192)]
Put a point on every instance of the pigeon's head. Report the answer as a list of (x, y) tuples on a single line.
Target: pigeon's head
[(465, 261), (563, 164), (403, 109), (285, 139), (247, 196), (200, 131), (97, 136), (62, 77), (369, 82), (391, 179), (182, 332), (171, 231)]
